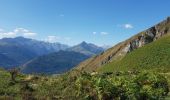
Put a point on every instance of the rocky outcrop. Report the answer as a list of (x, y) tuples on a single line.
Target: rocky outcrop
[(148, 36), (141, 40)]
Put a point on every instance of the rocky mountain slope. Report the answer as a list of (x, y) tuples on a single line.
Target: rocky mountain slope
[(120, 50), (153, 56)]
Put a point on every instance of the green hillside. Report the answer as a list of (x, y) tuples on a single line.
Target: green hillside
[(155, 55)]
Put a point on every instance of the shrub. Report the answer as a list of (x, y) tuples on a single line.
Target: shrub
[(141, 86)]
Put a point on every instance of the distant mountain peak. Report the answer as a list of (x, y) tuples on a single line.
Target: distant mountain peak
[(83, 43), (86, 48), (20, 37)]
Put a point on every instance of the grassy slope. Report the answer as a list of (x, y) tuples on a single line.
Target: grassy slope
[(42, 87), (153, 55)]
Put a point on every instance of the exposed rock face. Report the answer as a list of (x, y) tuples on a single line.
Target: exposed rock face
[(145, 38), (148, 36), (121, 49)]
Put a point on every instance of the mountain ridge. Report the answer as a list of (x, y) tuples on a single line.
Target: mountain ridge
[(53, 63), (44, 47)]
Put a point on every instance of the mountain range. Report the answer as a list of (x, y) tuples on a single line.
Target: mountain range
[(25, 53), (63, 60), (17, 51)]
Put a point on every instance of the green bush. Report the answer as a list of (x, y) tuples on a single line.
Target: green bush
[(130, 85), (141, 86)]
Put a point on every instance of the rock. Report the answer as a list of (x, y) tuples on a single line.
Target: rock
[(151, 32), (148, 36)]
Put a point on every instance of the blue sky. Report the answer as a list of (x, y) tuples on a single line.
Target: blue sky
[(72, 21)]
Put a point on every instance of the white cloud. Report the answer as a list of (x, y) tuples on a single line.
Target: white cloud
[(21, 30), (128, 26), (8, 35), (100, 33), (29, 34), (17, 32), (104, 33), (52, 39), (94, 33)]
